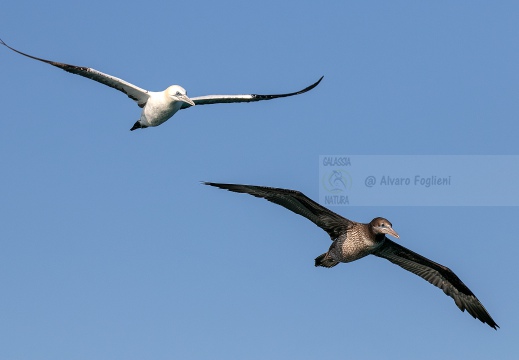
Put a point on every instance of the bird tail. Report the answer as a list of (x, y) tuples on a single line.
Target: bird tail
[(325, 260), (138, 125)]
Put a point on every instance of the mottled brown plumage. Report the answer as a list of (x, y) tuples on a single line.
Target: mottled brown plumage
[(353, 240)]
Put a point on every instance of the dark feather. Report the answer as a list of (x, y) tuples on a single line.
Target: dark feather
[(295, 201), (438, 275), (132, 91), (220, 99)]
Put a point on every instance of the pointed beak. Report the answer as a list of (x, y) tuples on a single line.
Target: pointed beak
[(185, 99), (392, 232)]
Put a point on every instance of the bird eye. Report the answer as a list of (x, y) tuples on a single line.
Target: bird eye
[(178, 93)]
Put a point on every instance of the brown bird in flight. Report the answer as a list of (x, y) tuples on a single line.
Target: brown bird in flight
[(353, 240)]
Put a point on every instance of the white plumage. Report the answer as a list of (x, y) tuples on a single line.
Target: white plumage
[(158, 107)]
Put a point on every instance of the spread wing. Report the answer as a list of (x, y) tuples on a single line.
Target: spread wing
[(297, 202), (133, 92), (438, 275), (217, 99)]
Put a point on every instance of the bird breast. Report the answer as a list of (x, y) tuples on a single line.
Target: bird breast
[(159, 108), (356, 244)]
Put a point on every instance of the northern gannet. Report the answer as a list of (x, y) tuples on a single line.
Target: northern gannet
[(158, 107), (353, 240)]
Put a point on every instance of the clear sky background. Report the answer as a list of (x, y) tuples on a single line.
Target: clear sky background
[(110, 248)]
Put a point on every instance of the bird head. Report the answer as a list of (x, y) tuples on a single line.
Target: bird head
[(383, 226), (178, 93)]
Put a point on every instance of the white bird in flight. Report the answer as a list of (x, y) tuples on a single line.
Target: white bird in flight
[(158, 107)]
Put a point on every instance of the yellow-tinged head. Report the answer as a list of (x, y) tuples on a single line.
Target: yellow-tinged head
[(178, 93)]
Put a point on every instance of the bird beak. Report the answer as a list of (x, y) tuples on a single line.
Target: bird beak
[(185, 99), (392, 232)]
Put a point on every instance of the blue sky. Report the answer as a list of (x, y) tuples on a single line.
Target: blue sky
[(112, 249)]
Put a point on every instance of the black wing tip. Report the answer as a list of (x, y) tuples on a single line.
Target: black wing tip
[(490, 322), (265, 192), (237, 188), (222, 186), (485, 318), (311, 86), (475, 308), (314, 84), (241, 188), (245, 187), (257, 97), (7, 46)]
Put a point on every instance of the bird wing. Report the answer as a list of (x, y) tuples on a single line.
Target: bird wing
[(134, 92), (295, 201), (438, 275), (217, 99)]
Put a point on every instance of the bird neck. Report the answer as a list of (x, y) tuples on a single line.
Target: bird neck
[(378, 237)]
